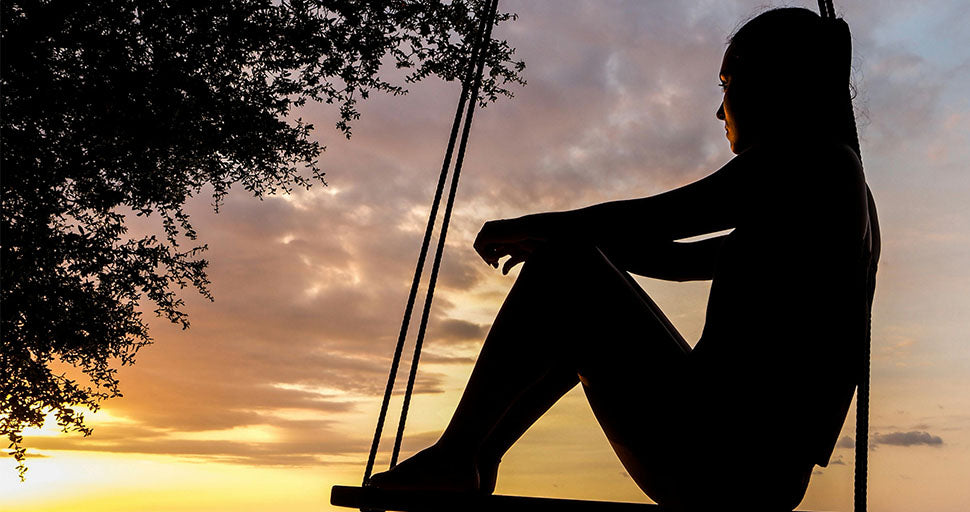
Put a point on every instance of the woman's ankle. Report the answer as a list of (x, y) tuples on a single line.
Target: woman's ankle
[(450, 448), (487, 465)]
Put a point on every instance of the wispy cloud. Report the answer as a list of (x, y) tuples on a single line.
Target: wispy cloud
[(898, 438), (911, 438), (845, 442)]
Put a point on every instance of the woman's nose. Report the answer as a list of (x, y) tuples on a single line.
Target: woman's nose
[(720, 112)]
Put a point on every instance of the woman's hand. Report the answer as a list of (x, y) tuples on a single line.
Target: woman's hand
[(509, 237)]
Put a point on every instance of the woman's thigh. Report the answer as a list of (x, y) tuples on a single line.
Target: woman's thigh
[(595, 307), (631, 360)]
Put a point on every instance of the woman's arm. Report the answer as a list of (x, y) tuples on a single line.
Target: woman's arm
[(625, 227), (672, 261), (701, 207)]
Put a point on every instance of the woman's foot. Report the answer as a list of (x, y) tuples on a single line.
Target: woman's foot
[(431, 469)]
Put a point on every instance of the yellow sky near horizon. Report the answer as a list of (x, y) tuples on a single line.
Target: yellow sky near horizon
[(564, 455)]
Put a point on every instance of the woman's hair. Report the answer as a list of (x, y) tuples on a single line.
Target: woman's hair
[(794, 67)]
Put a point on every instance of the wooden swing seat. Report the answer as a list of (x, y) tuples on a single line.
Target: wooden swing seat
[(371, 498)]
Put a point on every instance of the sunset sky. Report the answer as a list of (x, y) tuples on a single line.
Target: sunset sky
[(271, 397)]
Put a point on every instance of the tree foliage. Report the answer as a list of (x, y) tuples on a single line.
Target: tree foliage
[(112, 108)]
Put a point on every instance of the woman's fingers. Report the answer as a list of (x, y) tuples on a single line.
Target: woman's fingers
[(498, 239), (490, 253), (512, 262), (493, 253), (491, 244), (485, 246), (518, 254)]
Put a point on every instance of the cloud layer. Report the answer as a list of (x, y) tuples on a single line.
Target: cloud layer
[(310, 288)]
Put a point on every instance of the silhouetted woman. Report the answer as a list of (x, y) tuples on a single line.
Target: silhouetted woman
[(762, 397)]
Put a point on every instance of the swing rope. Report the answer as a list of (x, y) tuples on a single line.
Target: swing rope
[(861, 476), (473, 75), (444, 225)]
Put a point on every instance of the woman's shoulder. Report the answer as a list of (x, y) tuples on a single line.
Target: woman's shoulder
[(811, 166), (800, 153), (820, 182)]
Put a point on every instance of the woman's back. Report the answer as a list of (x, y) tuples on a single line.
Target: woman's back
[(787, 309)]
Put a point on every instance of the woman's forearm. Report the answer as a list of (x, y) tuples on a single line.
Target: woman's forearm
[(704, 206), (606, 223), (561, 225)]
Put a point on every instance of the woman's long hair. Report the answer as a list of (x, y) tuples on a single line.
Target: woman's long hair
[(796, 67)]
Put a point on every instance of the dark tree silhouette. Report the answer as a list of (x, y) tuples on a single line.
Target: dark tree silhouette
[(130, 107)]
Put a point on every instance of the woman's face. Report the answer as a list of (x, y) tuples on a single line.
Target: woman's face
[(739, 133)]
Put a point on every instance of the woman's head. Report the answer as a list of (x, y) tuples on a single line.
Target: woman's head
[(785, 74)]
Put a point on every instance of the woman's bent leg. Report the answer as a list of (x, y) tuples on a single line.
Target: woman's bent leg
[(570, 315), (526, 410)]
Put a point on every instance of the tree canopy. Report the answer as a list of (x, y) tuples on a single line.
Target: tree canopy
[(115, 108)]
